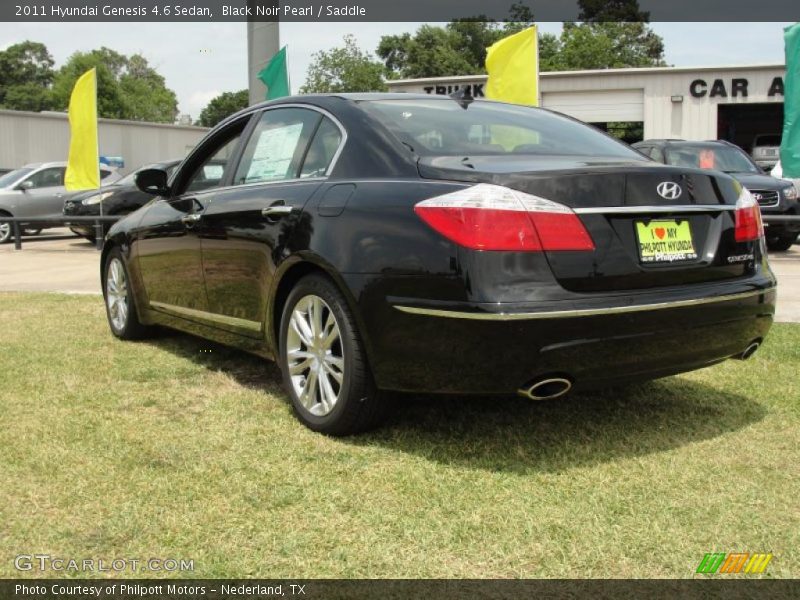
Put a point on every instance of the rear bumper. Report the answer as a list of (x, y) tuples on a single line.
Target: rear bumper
[(497, 348)]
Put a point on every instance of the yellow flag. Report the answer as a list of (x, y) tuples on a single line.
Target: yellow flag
[(513, 67), (83, 166)]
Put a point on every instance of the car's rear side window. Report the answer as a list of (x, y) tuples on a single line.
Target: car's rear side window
[(276, 147), (322, 149), (442, 127)]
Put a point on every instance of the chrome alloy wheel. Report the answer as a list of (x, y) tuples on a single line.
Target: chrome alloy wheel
[(5, 232), (117, 294), (314, 355)]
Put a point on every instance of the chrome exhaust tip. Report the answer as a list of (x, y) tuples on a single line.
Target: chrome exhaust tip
[(546, 389), (750, 350)]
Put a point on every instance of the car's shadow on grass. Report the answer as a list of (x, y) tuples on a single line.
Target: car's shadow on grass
[(513, 434)]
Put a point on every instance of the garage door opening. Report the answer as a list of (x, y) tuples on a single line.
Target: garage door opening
[(741, 123), (629, 132)]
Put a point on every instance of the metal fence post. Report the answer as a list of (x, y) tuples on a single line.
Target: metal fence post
[(98, 235), (17, 236)]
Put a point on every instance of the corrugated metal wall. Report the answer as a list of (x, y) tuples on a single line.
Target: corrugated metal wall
[(36, 137)]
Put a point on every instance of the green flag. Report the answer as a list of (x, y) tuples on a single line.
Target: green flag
[(790, 144), (276, 76)]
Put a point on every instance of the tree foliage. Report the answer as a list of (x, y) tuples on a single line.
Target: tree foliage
[(127, 87), (604, 45), (344, 69), (223, 106), (459, 48), (613, 34), (26, 73)]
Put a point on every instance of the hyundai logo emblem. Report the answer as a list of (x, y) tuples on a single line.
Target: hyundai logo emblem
[(669, 190)]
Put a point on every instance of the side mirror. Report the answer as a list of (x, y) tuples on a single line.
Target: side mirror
[(153, 181), (25, 185)]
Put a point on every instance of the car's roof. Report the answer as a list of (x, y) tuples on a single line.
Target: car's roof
[(357, 97), (351, 96)]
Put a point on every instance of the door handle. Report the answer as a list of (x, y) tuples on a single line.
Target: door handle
[(276, 211), (190, 220)]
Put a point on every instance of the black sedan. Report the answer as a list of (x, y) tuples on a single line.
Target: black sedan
[(409, 243), (117, 199), (774, 196)]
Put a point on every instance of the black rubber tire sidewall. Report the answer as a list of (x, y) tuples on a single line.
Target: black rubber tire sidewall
[(357, 385), (133, 329), (781, 243)]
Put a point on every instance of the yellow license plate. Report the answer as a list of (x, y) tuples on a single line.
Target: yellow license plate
[(665, 241)]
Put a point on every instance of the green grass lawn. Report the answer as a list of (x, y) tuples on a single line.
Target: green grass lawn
[(177, 448)]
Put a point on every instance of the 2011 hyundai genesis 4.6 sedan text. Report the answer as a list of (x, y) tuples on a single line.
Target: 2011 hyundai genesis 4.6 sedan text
[(400, 242)]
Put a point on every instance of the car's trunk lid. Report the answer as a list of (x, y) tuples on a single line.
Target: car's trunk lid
[(630, 208)]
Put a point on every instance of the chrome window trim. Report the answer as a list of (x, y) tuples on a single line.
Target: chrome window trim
[(625, 210), (582, 312), (261, 111)]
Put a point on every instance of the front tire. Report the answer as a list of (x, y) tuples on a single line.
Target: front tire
[(6, 230), (781, 243), (120, 304), (324, 365)]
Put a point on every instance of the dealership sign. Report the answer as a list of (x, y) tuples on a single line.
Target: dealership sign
[(699, 88), (471, 89)]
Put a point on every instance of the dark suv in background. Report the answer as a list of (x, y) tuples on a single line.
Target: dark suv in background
[(121, 198), (775, 196)]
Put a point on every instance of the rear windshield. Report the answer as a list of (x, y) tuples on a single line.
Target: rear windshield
[(444, 128), (721, 158)]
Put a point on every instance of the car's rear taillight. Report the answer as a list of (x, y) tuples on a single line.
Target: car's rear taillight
[(492, 217), (748, 226)]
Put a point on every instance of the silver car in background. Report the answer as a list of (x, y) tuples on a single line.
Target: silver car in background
[(766, 150), (37, 190)]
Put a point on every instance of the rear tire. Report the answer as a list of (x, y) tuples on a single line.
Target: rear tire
[(323, 362), (781, 243), (119, 300)]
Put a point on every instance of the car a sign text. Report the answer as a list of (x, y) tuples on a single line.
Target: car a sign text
[(700, 88)]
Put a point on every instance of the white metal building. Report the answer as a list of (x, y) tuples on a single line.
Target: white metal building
[(698, 103), (27, 137)]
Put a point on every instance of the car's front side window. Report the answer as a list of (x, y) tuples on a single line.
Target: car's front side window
[(206, 167), (276, 148), (52, 177)]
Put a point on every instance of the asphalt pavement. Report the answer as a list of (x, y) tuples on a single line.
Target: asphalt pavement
[(58, 261)]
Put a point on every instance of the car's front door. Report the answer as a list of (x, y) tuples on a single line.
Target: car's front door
[(42, 193), (167, 242), (249, 224)]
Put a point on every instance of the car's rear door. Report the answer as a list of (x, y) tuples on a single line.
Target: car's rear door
[(251, 224)]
